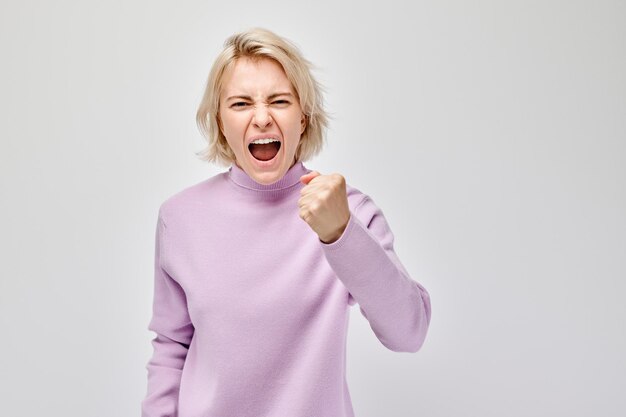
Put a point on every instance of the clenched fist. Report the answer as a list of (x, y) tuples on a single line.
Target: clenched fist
[(324, 204)]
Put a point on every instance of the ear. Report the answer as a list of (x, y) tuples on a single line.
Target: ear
[(303, 123)]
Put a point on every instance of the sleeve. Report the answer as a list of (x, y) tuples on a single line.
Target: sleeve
[(174, 331), (397, 307)]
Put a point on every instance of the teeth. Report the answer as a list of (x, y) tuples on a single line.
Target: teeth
[(263, 141)]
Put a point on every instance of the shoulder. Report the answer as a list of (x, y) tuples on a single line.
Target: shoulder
[(363, 205), (355, 196), (192, 198), (370, 216)]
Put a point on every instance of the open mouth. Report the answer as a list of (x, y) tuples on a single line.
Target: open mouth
[(265, 151)]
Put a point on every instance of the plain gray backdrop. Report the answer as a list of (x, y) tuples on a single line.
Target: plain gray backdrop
[(491, 133)]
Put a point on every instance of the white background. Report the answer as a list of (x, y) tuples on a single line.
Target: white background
[(491, 133)]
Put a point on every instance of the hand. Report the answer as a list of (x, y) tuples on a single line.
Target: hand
[(324, 204)]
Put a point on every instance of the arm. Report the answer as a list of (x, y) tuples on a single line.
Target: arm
[(173, 328), (397, 307)]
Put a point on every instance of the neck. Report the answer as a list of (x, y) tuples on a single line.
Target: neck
[(283, 186)]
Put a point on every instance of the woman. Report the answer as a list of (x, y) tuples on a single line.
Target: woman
[(256, 267)]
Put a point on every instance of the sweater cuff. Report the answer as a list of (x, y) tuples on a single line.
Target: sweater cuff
[(344, 236)]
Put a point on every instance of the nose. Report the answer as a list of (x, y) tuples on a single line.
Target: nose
[(262, 117)]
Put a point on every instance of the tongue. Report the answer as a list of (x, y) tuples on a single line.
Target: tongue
[(266, 151)]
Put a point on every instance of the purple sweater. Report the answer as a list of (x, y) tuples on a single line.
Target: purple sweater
[(251, 308)]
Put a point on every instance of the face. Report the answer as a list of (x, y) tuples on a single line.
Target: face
[(258, 101)]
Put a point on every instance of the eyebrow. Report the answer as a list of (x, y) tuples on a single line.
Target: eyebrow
[(271, 96)]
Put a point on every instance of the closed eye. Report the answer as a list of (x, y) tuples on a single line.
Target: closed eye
[(242, 104)]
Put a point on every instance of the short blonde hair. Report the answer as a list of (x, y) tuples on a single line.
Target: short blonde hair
[(258, 43)]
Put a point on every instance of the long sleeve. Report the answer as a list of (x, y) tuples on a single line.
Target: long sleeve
[(174, 331), (397, 307)]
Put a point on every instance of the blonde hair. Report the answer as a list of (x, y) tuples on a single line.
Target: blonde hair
[(257, 43)]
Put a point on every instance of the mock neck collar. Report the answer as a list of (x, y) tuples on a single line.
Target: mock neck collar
[(291, 178)]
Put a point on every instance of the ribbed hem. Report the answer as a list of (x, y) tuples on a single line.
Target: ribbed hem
[(291, 178)]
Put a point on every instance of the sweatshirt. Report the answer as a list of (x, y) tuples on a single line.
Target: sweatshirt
[(251, 308)]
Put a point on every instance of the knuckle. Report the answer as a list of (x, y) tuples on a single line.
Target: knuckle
[(339, 179)]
